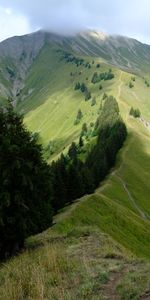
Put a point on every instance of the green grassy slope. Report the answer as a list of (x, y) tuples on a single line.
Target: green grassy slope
[(100, 246), (51, 109), (75, 260), (51, 103)]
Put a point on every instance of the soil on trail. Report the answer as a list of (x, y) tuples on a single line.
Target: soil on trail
[(110, 291)]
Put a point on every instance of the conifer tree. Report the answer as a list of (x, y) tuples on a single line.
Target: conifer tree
[(72, 152), (81, 144), (25, 187)]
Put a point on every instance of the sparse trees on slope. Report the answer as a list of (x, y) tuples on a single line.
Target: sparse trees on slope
[(135, 112)]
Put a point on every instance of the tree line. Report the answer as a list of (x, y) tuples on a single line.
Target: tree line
[(32, 191), (74, 178), (102, 76)]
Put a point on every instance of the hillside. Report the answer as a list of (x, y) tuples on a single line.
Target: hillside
[(17, 54), (100, 246)]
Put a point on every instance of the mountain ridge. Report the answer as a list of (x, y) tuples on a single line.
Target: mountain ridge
[(17, 54), (118, 209)]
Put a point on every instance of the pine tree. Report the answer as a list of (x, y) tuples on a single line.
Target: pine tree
[(81, 143), (93, 101), (87, 95), (60, 183), (79, 114), (104, 96), (25, 186), (72, 152), (84, 128), (77, 86), (76, 185), (83, 87), (94, 78), (98, 66), (131, 111), (131, 85)]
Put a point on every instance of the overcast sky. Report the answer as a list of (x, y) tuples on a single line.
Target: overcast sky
[(125, 17)]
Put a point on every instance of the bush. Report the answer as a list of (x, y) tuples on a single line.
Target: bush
[(131, 85), (93, 101)]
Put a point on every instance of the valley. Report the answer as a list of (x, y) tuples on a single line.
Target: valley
[(99, 246)]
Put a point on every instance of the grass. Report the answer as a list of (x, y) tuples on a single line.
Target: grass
[(81, 263), (52, 106), (100, 245)]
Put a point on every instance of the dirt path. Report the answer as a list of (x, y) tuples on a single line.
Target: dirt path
[(135, 95), (145, 123), (132, 200), (142, 120), (145, 296), (120, 85), (110, 287)]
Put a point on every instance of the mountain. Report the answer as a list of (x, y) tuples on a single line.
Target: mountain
[(104, 236), (17, 54)]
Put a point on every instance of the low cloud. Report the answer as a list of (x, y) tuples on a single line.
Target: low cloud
[(70, 16)]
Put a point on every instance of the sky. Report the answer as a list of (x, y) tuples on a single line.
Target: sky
[(125, 17)]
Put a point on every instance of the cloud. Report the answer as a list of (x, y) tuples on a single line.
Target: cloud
[(68, 16), (12, 24)]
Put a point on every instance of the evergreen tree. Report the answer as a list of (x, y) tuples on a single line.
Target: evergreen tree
[(84, 129), (135, 112), (25, 186), (93, 101), (83, 87), (94, 78), (87, 95), (81, 143), (72, 152), (131, 85), (75, 184), (104, 96), (77, 86), (131, 111), (60, 183), (79, 114), (78, 117)]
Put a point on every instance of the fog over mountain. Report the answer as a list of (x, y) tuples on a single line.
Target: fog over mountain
[(68, 17)]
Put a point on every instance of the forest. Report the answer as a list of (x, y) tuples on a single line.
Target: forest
[(31, 191)]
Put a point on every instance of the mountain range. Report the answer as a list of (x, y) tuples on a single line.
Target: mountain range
[(19, 53)]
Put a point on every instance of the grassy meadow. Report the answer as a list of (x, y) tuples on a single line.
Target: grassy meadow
[(99, 247)]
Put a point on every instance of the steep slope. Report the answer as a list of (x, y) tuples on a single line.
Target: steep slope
[(48, 99), (120, 51), (50, 104), (17, 54), (51, 110), (91, 252)]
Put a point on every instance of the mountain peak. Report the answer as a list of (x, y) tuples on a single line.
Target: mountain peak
[(99, 35)]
